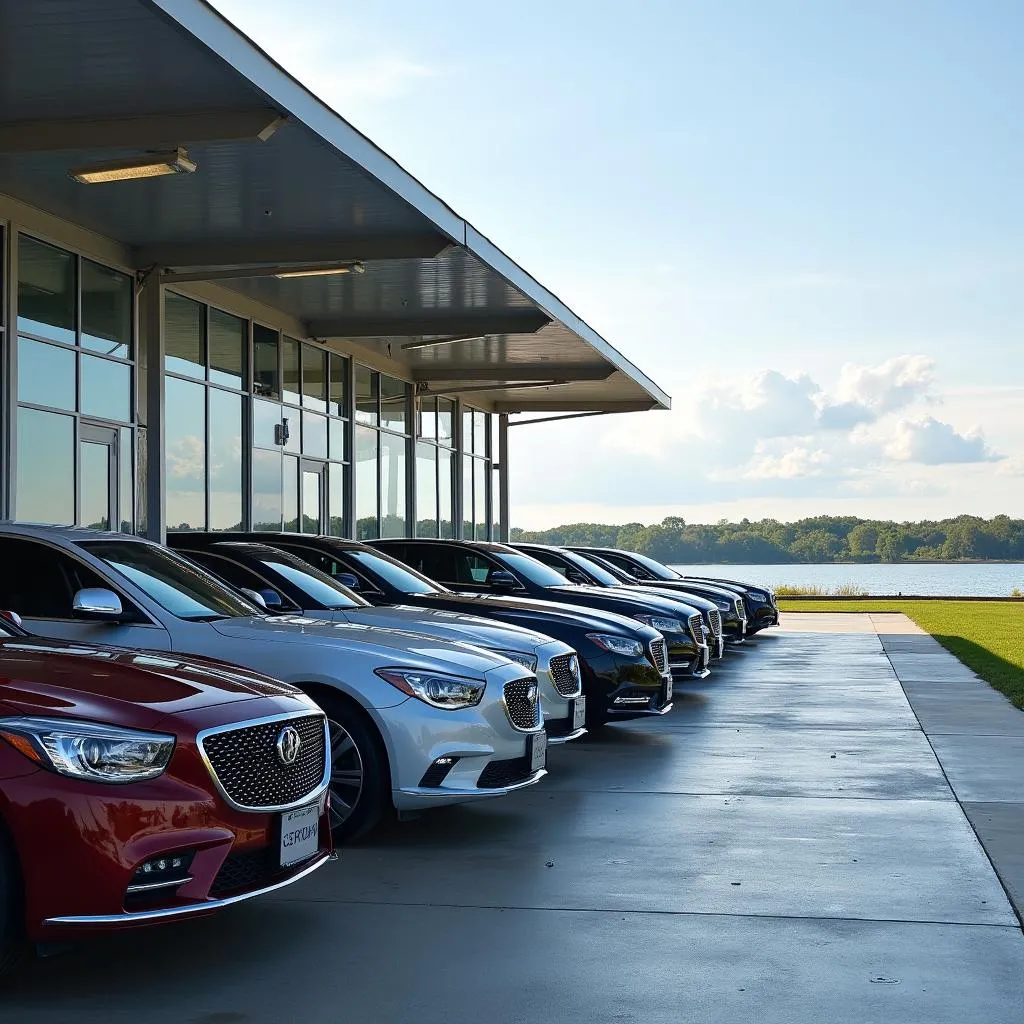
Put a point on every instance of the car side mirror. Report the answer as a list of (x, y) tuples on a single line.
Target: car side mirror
[(11, 617), (575, 576), (348, 579), (502, 579), (255, 596), (97, 604), (271, 598)]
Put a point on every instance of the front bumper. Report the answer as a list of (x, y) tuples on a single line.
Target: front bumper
[(559, 709), (690, 664)]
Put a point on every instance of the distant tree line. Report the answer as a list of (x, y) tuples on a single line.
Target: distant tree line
[(818, 539)]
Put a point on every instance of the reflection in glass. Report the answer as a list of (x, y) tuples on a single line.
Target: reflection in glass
[(339, 391), (467, 430), (290, 370), (426, 490), (265, 375), (444, 489), (46, 290), (480, 432), (292, 419), (229, 337), (106, 388), (225, 460), (290, 490), (336, 500), (314, 435), (94, 484), (427, 426), (467, 497), (266, 489), (367, 484), (480, 481), (184, 336), (314, 378), (265, 417), (392, 485), (46, 374), (394, 402), (45, 439), (125, 452), (312, 507), (185, 454), (367, 387), (339, 450), (445, 421), (106, 310)]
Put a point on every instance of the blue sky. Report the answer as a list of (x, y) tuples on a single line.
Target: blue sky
[(805, 220)]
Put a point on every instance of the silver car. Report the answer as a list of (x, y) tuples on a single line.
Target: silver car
[(284, 583), (415, 722)]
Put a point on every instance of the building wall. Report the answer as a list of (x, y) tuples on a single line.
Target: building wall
[(132, 405)]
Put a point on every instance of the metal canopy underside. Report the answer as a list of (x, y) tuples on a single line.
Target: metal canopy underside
[(99, 80)]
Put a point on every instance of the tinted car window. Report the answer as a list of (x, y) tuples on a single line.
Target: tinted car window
[(322, 591), (594, 570), (556, 562), (40, 582), (536, 572), (237, 575)]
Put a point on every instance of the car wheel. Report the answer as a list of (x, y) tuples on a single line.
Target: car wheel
[(359, 772), (12, 926)]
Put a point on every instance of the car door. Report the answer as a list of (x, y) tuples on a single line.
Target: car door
[(39, 582)]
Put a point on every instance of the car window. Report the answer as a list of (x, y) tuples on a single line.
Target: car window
[(549, 558), (526, 566), (319, 587), (594, 570), (238, 576), (626, 565)]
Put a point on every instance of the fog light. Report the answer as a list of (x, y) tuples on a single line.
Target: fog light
[(163, 872), (632, 700), (438, 771)]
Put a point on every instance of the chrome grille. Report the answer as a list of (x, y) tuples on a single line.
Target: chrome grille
[(697, 628), (522, 703), (249, 772), (658, 655), (565, 674), (715, 617)]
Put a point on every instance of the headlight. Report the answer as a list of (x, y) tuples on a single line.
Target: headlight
[(528, 661), (617, 644), (447, 692), (725, 606), (87, 750), (661, 622), (758, 596)]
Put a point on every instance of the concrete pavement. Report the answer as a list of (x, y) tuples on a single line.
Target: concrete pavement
[(783, 845)]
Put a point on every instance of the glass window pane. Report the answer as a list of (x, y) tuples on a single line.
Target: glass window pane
[(445, 421), (106, 310), (426, 490), (339, 389), (46, 290), (336, 500), (46, 374), (45, 439), (229, 337), (312, 501), (106, 388), (314, 435), (467, 430), (481, 478), (467, 497), (394, 402), (265, 376), (339, 450), (266, 489), (184, 336), (225, 460), (392, 485), (314, 378), (290, 371), (185, 454), (265, 417), (94, 485), (292, 420), (291, 493), (367, 386), (125, 455), (427, 426), (367, 483), (480, 433), (444, 487)]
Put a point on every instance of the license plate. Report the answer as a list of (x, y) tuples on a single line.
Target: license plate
[(668, 690), (537, 751), (300, 834), (579, 713)]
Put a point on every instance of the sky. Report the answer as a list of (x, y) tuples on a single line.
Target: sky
[(804, 219)]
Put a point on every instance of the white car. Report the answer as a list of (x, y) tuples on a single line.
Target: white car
[(415, 722)]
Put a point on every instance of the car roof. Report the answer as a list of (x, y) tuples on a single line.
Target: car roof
[(482, 545), (74, 534)]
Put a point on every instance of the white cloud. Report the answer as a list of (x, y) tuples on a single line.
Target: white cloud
[(797, 462), (933, 443)]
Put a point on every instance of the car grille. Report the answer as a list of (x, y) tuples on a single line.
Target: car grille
[(697, 628), (499, 774), (248, 769), (658, 656), (565, 674), (250, 869), (715, 617), (523, 704)]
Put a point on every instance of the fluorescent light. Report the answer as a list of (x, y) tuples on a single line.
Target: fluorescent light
[(348, 268), (152, 165)]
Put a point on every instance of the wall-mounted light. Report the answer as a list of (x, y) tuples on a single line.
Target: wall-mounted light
[(348, 268), (152, 165)]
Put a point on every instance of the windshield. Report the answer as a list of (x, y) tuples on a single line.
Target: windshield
[(539, 574), (401, 577), (591, 568), (314, 584), (177, 585), (656, 569)]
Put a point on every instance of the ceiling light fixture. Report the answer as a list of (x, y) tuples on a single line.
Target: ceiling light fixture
[(152, 165), (348, 268)]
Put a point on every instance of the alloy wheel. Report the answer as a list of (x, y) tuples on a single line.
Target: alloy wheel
[(346, 773)]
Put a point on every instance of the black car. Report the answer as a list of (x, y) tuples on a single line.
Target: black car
[(633, 568), (482, 567), (623, 662), (762, 607), (577, 568)]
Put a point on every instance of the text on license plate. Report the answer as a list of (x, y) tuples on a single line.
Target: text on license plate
[(300, 834), (538, 751), (668, 690), (579, 713)]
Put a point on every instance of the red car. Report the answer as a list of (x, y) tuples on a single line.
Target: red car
[(139, 787)]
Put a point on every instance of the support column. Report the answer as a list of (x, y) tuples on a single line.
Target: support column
[(503, 503), (151, 416)]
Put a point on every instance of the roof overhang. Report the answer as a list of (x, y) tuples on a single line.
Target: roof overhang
[(283, 182)]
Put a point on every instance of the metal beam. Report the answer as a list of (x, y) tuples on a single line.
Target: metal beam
[(563, 416), (292, 250), (473, 324), (573, 405), (151, 130), (512, 371), (265, 270), (504, 386)]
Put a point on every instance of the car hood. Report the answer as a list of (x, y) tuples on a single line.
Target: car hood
[(110, 684), (630, 603), (416, 650), (686, 596)]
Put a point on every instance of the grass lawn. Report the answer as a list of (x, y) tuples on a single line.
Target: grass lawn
[(987, 636)]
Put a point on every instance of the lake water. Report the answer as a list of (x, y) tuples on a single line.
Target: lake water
[(991, 579)]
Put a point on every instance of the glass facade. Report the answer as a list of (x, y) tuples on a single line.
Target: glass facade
[(435, 516), (477, 471), (382, 455)]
